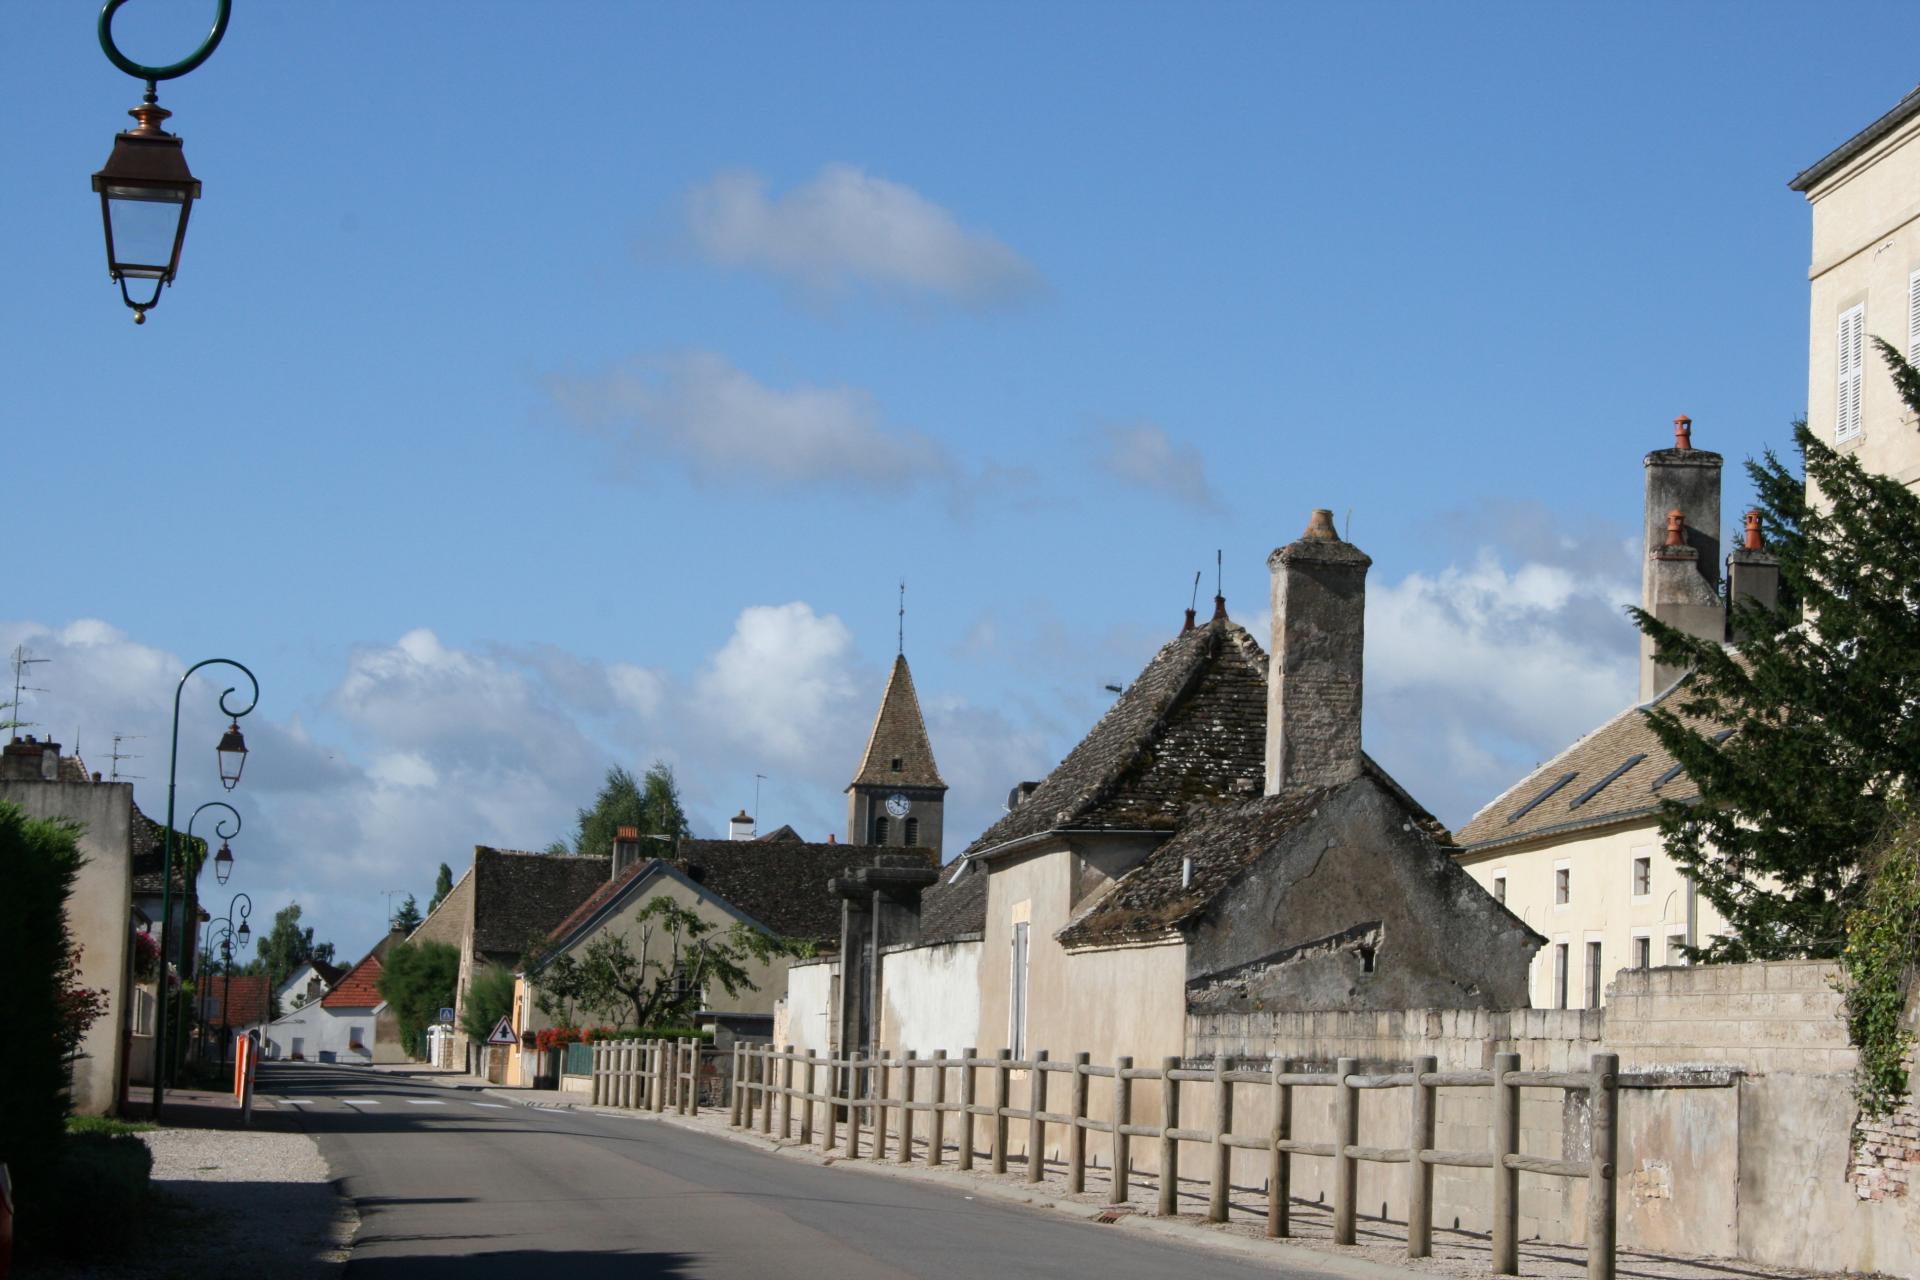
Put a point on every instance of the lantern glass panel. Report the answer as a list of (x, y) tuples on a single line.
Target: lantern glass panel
[(146, 226)]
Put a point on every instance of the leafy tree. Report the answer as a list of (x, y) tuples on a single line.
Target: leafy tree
[(651, 803), (558, 989), (489, 999), (442, 886), (680, 954), (417, 981), (286, 946), (41, 858), (408, 917), (1824, 714)]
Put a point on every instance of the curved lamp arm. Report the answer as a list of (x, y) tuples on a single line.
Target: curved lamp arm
[(220, 824), (172, 70)]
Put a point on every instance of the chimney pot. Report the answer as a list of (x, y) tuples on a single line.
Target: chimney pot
[(1683, 432), (1676, 528), (626, 833), (1188, 625), (1219, 607), (1321, 525), (1754, 542)]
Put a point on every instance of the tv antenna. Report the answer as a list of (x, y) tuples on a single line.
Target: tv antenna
[(22, 659), (390, 893), (117, 755), (758, 778), (1195, 602)]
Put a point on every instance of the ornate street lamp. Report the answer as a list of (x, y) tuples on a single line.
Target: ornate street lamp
[(161, 1062), (223, 863), (228, 936), (146, 190), (233, 756)]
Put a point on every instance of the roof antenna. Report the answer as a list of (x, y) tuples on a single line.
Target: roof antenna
[(903, 618), (117, 755), (1195, 602), (758, 778), (1219, 592), (22, 659), (1349, 524)]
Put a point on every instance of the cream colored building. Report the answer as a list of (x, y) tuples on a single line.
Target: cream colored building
[(1865, 283)]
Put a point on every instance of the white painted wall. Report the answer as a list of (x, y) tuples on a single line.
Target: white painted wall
[(930, 997), (325, 1034), (810, 1004)]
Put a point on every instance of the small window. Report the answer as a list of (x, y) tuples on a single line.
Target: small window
[(1562, 886), (1593, 975), (1367, 959), (1643, 952), (1560, 975), (1017, 1003), (1500, 889), (1848, 366), (896, 764), (880, 826), (1676, 948), (1642, 877), (913, 833)]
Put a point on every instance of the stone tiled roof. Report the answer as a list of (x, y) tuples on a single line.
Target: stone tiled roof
[(359, 989), (148, 841), (898, 734), (519, 897), (1595, 782), (782, 834), (952, 908), (1192, 727), (245, 996)]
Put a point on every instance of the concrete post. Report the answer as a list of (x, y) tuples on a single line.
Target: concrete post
[(967, 1082), (594, 1093), (1346, 1133), (690, 1095), (937, 1123), (882, 1083), (832, 1120), (767, 1077), (786, 1094), (1077, 1134), (807, 1081), (1222, 1153), (661, 1083), (737, 1104), (1169, 1148), (853, 1105), (1122, 1143), (905, 1155), (1036, 1127), (1419, 1172), (1001, 1074), (1602, 1184), (1506, 1181), (1280, 1163)]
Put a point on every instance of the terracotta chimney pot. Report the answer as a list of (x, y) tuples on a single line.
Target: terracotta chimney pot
[(1683, 432)]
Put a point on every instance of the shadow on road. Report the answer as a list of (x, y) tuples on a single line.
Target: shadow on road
[(574, 1264)]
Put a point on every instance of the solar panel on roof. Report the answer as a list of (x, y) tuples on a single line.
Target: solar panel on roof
[(1530, 805), (1601, 785)]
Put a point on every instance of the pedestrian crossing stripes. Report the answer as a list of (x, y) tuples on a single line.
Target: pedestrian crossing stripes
[(425, 1102)]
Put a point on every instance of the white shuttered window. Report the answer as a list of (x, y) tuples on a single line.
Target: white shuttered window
[(1847, 358), (1913, 317)]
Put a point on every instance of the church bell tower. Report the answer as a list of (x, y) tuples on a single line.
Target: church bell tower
[(896, 797)]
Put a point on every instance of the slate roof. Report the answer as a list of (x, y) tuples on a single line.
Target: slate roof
[(1220, 840), (518, 897), (1191, 727), (782, 834), (359, 989), (898, 734), (1617, 773), (952, 908), (1902, 111), (147, 839), (246, 999)]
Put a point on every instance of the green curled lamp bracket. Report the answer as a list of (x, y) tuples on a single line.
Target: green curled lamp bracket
[(173, 70)]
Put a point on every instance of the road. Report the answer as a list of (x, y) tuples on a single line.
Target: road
[(452, 1182)]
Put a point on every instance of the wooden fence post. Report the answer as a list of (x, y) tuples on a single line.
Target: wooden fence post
[(1419, 1172), (853, 1105), (1036, 1127), (1506, 1181), (937, 1124), (832, 1119), (630, 1090), (1001, 1074), (1279, 1162), (967, 1081), (737, 1103), (1169, 1147), (663, 1082), (1222, 1153), (786, 1094), (1603, 1101), (806, 1104), (882, 1090), (602, 1077), (651, 1087), (906, 1108), (594, 1091), (1077, 1133), (1346, 1133), (766, 1088), (690, 1096), (1122, 1142)]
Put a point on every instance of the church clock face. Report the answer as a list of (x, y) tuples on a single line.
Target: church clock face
[(897, 805)]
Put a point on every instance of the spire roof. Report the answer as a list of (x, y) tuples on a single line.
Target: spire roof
[(898, 734)]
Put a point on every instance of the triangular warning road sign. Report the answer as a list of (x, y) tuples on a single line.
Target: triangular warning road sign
[(503, 1033)]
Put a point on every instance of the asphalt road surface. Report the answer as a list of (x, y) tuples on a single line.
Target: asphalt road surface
[(460, 1183)]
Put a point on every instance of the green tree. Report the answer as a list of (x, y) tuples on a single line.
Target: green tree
[(679, 956), (1824, 714), (489, 999), (651, 803), (442, 886), (286, 946), (408, 917), (417, 981), (41, 858)]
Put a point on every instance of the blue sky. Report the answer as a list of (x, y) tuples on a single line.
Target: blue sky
[(565, 385)]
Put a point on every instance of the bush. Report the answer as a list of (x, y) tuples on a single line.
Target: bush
[(87, 1203), (417, 980), (41, 858)]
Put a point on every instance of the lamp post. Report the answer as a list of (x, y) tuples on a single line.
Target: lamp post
[(146, 190), (237, 747), (230, 934)]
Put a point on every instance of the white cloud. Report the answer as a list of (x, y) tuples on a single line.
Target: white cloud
[(846, 228), (783, 683), (726, 426), (1143, 454)]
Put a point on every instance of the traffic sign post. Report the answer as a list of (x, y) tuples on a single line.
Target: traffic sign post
[(446, 1015), (503, 1033)]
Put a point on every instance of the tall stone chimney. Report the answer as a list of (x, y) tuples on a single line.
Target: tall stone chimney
[(28, 760), (1674, 587), (626, 849), (1314, 661), (1753, 577)]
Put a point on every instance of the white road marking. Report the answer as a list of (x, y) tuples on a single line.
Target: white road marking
[(424, 1102), (495, 1106), (360, 1102), (298, 1102)]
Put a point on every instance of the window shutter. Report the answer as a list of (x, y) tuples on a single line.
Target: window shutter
[(1847, 360), (1913, 317)]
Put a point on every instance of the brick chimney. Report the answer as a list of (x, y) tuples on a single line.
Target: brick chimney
[(1679, 589), (28, 760), (626, 849), (1753, 577), (1314, 661)]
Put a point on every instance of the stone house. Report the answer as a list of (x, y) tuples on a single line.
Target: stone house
[(351, 1024)]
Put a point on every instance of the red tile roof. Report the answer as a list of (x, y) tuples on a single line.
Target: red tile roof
[(358, 990), (245, 996)]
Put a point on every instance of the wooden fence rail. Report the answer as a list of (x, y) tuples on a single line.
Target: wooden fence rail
[(885, 1096)]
